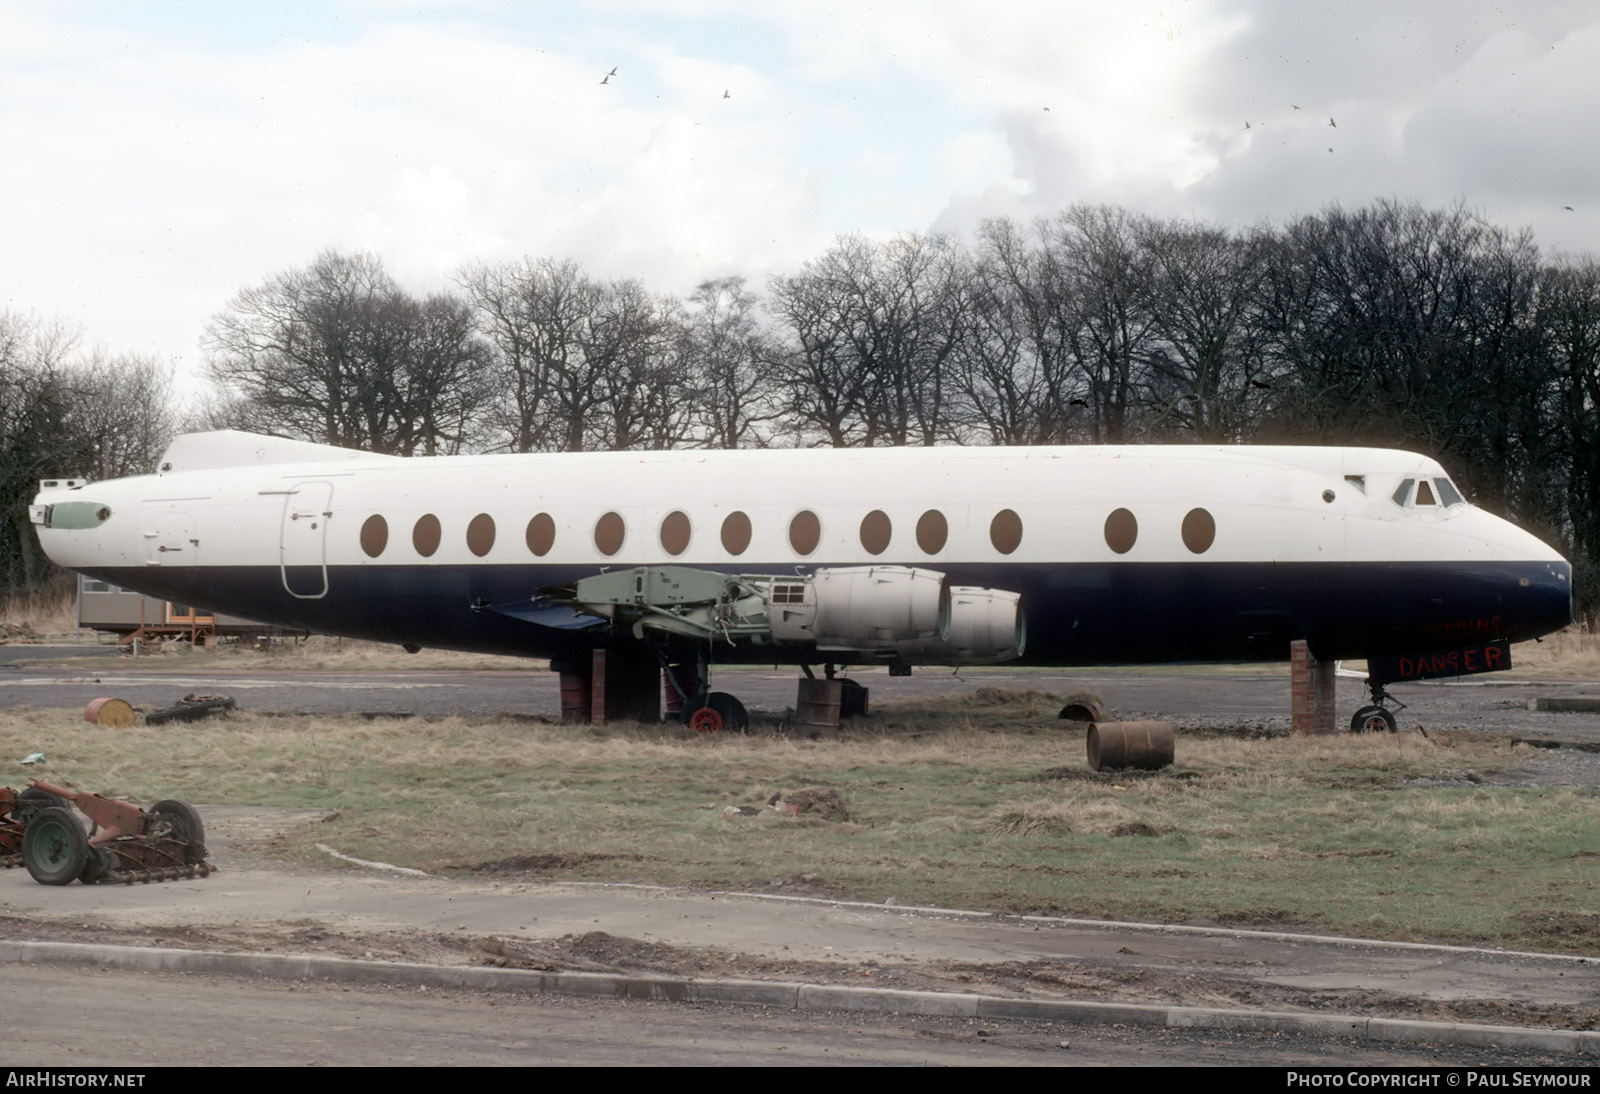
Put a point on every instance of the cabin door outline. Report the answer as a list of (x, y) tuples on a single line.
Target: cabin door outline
[(303, 539)]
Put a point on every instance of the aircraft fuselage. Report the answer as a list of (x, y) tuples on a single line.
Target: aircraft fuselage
[(1140, 554)]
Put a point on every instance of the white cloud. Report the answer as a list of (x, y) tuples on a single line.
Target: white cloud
[(155, 166)]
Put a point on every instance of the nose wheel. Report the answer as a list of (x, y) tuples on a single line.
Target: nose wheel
[(1373, 719), (1376, 717)]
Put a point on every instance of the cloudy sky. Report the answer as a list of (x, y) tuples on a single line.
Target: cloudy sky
[(157, 157)]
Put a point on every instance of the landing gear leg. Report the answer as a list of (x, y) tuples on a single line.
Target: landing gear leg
[(707, 711)]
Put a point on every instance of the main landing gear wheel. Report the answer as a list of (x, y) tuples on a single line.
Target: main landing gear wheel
[(55, 847), (717, 712), (1373, 720), (181, 821)]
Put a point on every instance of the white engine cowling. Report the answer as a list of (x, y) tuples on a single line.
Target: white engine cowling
[(880, 608), (986, 627), (891, 613)]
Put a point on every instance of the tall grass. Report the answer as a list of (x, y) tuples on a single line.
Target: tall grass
[(47, 611)]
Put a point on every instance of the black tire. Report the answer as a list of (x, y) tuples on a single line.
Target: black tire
[(181, 821), (1373, 720), (55, 847), (189, 710), (731, 717), (735, 719), (31, 799)]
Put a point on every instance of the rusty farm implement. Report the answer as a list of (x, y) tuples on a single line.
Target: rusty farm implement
[(127, 843), (16, 808)]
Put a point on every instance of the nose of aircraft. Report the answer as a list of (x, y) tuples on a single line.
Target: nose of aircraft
[(1549, 598)]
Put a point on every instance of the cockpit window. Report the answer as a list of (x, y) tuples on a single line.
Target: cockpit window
[(1431, 492)]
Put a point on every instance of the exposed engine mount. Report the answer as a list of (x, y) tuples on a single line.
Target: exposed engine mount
[(899, 613)]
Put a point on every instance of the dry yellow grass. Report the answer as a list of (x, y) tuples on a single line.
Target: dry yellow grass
[(321, 652), (1570, 654), (48, 612), (976, 800)]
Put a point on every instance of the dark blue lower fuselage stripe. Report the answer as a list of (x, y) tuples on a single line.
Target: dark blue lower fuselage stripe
[(1077, 614)]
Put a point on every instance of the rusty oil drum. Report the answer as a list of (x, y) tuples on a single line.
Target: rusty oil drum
[(816, 712), (1116, 745)]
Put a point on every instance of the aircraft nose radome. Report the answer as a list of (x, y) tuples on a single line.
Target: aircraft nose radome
[(1561, 594), (1543, 602)]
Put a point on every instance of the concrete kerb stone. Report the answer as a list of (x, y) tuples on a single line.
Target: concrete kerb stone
[(1064, 1010), (888, 1001), (787, 996), (1268, 1021), (1461, 1033)]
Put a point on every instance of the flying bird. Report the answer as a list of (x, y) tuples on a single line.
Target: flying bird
[(1247, 125), (608, 76), (725, 95), (1333, 123), (1293, 106), (1569, 209)]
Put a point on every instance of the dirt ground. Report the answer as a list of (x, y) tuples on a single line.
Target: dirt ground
[(522, 914), (518, 916)]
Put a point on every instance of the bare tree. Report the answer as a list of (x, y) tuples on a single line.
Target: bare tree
[(635, 357), (1204, 376), (337, 353), (121, 414), (35, 404), (1094, 265), (875, 326), (730, 357), (824, 388)]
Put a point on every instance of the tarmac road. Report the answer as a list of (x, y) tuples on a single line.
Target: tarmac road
[(1188, 699)]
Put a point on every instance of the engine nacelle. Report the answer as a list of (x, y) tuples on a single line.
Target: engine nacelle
[(872, 608), (890, 613), (986, 627)]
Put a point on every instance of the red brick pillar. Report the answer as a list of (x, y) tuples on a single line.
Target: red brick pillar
[(1311, 691)]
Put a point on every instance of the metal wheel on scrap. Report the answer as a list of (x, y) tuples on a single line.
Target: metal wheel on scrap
[(55, 847), (181, 821), (32, 799), (1373, 720)]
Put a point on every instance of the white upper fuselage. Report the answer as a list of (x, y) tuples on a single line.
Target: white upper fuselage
[(1267, 503)]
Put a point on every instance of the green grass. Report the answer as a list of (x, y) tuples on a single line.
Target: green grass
[(978, 801)]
